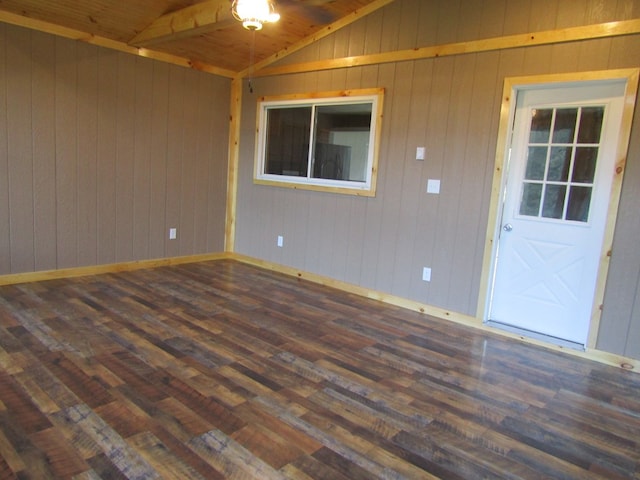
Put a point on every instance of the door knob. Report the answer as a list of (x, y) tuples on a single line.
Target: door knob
[(508, 227)]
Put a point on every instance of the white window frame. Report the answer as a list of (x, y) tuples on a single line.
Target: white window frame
[(373, 96)]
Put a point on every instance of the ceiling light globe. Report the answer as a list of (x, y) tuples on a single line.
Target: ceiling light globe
[(252, 24), (253, 13)]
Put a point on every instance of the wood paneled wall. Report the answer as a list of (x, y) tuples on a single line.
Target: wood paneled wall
[(102, 152), (449, 105)]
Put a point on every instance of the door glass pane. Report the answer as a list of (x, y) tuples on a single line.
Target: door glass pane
[(578, 207), (536, 162), (531, 194), (565, 125), (584, 168), (553, 205), (565, 165), (540, 125), (559, 164), (590, 125)]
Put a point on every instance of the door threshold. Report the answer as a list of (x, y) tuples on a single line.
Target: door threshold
[(535, 335)]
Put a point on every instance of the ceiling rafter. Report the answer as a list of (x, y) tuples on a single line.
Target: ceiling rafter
[(194, 20), (73, 34)]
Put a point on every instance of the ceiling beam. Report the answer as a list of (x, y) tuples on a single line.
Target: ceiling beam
[(548, 37), (53, 29), (190, 21)]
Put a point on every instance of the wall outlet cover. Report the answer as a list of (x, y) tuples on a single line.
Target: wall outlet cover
[(433, 186)]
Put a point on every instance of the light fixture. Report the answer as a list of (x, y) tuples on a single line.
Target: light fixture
[(253, 13)]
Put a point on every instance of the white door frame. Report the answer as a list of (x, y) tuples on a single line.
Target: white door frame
[(512, 85)]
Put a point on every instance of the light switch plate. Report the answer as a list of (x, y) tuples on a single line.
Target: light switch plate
[(433, 186), (426, 274), (420, 153)]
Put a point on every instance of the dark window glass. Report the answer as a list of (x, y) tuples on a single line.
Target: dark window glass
[(536, 163), (341, 146), (565, 125), (590, 125), (553, 204), (584, 168), (531, 194), (579, 200), (540, 125), (559, 164), (287, 149)]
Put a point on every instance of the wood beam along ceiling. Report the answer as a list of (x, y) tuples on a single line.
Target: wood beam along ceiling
[(587, 32), (99, 41), (213, 15), (190, 21)]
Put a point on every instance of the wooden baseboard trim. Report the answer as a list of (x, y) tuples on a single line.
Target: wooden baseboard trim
[(600, 356), (29, 277), (357, 290)]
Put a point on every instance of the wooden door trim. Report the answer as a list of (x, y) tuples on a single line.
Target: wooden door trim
[(512, 85)]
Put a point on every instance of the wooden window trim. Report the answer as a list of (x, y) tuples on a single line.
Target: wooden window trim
[(369, 190)]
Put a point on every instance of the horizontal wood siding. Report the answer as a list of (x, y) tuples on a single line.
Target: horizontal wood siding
[(451, 106), (102, 152)]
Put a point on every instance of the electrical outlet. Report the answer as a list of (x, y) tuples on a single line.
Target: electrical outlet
[(433, 186), (426, 274), (280, 241), (173, 233)]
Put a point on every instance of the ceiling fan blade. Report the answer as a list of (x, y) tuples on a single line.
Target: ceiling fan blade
[(311, 9), (316, 3)]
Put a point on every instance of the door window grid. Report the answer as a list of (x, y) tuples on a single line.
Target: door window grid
[(562, 152)]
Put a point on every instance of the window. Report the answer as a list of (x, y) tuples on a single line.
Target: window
[(561, 162), (326, 142)]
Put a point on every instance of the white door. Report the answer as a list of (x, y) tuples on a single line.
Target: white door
[(556, 200)]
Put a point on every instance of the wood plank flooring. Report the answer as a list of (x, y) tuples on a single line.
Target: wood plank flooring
[(223, 370)]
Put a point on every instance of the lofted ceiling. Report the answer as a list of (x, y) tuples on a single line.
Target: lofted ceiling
[(203, 33)]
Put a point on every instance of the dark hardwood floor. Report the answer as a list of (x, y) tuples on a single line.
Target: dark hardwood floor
[(223, 370)]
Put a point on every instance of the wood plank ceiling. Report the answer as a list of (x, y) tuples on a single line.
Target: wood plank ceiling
[(204, 33)]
